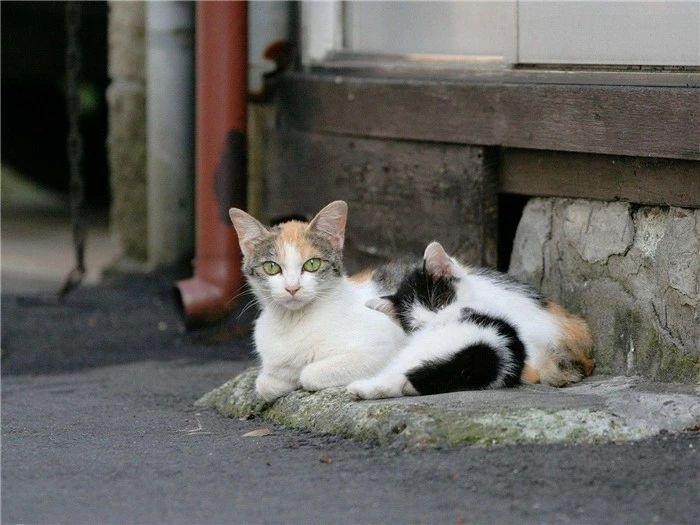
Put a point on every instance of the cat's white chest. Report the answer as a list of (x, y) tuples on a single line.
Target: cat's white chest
[(341, 324), (293, 342)]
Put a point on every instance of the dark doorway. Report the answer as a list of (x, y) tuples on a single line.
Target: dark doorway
[(34, 120), (510, 210)]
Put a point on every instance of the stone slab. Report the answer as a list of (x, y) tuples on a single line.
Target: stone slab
[(631, 271), (600, 409)]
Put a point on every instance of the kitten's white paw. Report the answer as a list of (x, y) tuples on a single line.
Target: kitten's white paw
[(377, 388), (361, 389), (270, 387)]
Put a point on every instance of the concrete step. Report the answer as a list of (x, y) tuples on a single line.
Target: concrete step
[(600, 409)]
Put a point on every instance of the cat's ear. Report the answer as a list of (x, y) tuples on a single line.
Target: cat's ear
[(248, 228), (383, 305), (330, 223), (437, 262)]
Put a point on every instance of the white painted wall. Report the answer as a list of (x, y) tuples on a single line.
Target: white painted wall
[(453, 28), (268, 22), (321, 29), (524, 31), (651, 33)]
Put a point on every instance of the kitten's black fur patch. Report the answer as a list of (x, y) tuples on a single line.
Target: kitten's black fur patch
[(418, 285), (475, 366), (472, 368), (505, 329)]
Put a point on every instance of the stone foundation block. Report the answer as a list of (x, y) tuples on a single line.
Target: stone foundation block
[(631, 271)]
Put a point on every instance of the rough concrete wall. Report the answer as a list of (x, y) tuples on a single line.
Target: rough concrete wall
[(126, 142), (631, 271)]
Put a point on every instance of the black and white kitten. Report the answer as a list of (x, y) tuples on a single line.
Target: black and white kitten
[(473, 329)]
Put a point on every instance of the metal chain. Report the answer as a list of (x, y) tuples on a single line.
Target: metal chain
[(75, 146)]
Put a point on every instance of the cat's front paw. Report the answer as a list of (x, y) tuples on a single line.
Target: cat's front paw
[(270, 387), (376, 388), (312, 379), (320, 375)]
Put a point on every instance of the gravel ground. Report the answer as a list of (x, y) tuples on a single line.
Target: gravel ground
[(99, 427)]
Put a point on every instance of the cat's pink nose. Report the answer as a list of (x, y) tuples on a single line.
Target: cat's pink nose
[(292, 289)]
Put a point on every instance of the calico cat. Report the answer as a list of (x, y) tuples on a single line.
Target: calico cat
[(314, 330), (475, 328)]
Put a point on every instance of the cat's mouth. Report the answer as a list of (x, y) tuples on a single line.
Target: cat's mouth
[(293, 303)]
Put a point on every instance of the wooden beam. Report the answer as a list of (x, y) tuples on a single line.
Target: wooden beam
[(607, 119), (606, 177), (456, 68)]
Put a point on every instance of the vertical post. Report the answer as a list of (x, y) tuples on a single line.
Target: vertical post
[(170, 131), (321, 29), (126, 142), (221, 126)]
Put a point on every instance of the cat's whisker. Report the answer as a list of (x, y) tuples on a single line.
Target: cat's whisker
[(243, 290), (248, 306)]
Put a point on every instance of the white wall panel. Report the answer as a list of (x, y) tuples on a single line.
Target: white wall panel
[(321, 29), (651, 33), (452, 28)]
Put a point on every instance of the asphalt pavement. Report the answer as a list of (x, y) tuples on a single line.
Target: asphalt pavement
[(98, 426)]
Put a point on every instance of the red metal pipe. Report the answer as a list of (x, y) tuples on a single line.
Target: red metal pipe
[(221, 92)]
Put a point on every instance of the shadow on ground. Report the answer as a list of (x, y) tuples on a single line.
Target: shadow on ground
[(123, 320)]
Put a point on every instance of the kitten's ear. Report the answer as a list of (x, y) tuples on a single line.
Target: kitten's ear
[(248, 228), (383, 305), (437, 262), (330, 222)]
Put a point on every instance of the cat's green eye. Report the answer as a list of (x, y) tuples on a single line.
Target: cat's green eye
[(271, 268), (312, 265)]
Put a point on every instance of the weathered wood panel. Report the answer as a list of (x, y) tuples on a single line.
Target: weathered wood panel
[(606, 177), (620, 120), (402, 195)]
